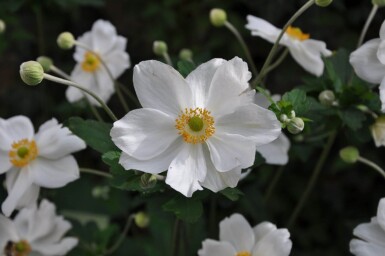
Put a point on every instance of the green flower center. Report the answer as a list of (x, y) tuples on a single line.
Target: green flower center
[(22, 152), (195, 123)]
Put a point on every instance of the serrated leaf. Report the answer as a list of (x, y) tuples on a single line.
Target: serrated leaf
[(186, 209), (185, 67), (338, 69), (298, 100), (353, 118), (232, 193)]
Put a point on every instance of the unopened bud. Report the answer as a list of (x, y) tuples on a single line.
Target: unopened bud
[(323, 3), (45, 62), (378, 131), (101, 192), (2, 26), (142, 219), (31, 72), (218, 17), (147, 181), (159, 48), (283, 118), (65, 41), (349, 154), (292, 114), (185, 54), (327, 97), (295, 125), (378, 2)]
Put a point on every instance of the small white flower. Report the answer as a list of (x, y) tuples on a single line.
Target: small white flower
[(89, 71), (238, 238), (36, 160), (368, 62), (275, 152), (36, 231), (201, 129), (307, 52), (378, 131), (371, 235)]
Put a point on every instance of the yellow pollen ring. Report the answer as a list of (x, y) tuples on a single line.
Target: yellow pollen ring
[(91, 62), (297, 33), (243, 253), (23, 152), (21, 248), (195, 125)]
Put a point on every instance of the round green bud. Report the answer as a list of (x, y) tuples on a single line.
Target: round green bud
[(292, 114), (218, 17), (147, 181), (378, 2), (31, 72), (349, 154), (283, 118), (185, 54), (65, 41), (159, 48), (295, 125), (327, 98), (45, 62), (323, 3), (142, 219), (2, 26)]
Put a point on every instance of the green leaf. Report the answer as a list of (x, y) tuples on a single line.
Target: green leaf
[(186, 209), (232, 193), (353, 118), (299, 101), (185, 67), (338, 69), (95, 134)]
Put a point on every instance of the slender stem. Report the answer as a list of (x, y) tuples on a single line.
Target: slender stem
[(273, 183), (123, 235), (277, 62), (60, 72), (306, 6), (371, 164), (167, 58), (96, 97), (95, 172), (175, 238), (318, 167), (243, 45), (367, 24)]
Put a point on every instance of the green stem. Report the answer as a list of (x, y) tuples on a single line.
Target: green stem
[(367, 24), (243, 45), (315, 173), (277, 176), (95, 172), (167, 58), (371, 164), (123, 235), (306, 6), (73, 84), (60, 72), (277, 62)]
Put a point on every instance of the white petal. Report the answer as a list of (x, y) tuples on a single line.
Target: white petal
[(361, 248), (5, 163), (263, 229), (382, 94), (200, 80), (60, 249), (381, 214), (250, 121), (85, 39), (161, 87), (144, 133), (14, 129), (381, 52), (21, 185), (104, 36), (371, 232), (382, 31), (55, 141), (366, 64), (84, 79), (54, 173), (187, 170), (275, 243), (262, 28), (276, 152), (229, 83), (262, 101), (229, 151), (237, 231), (216, 248), (7, 232), (117, 60), (157, 164)]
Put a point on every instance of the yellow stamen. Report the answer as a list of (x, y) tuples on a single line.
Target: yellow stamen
[(297, 33), (21, 248), (243, 253), (195, 125), (23, 152), (91, 62)]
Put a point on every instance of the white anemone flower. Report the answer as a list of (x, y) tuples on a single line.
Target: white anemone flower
[(31, 161), (368, 62), (307, 52), (89, 71), (202, 129), (36, 231), (238, 238), (371, 235)]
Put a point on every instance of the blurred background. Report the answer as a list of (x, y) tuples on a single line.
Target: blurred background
[(344, 195)]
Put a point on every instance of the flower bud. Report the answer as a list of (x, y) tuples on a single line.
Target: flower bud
[(66, 40), (378, 2), (283, 118), (31, 72), (2, 26), (159, 48), (295, 125), (45, 62), (378, 131), (142, 219), (185, 54), (323, 3), (101, 192), (349, 154), (218, 17), (147, 181), (327, 97), (292, 114)]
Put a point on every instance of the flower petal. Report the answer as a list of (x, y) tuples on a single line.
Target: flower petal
[(361, 248), (216, 248), (54, 173), (5, 163), (144, 133), (366, 64), (104, 36), (382, 94), (85, 39), (381, 214), (276, 152), (371, 232), (61, 248), (237, 231), (275, 243), (382, 31), (200, 80), (161, 87), (381, 52), (263, 229), (187, 170), (8, 232), (157, 164), (14, 129), (117, 59), (82, 78), (262, 28)]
